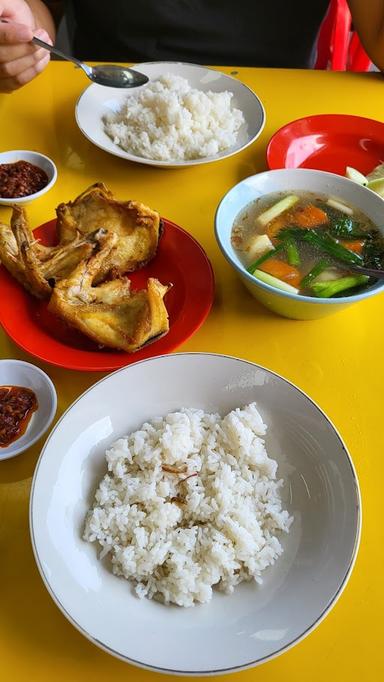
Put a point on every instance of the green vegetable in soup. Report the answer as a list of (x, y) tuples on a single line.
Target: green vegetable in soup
[(319, 240), (275, 210), (373, 254), (317, 269), (323, 242), (274, 282), (264, 257), (339, 206), (344, 227), (336, 286), (287, 243), (293, 255)]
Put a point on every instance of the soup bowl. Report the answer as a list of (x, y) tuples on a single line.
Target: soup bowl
[(287, 304)]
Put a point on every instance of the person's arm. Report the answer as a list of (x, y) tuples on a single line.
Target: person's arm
[(368, 20), (20, 20)]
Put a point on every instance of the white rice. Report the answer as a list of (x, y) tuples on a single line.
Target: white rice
[(168, 120), (175, 537)]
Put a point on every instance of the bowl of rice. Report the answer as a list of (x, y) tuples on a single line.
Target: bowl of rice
[(184, 116), (201, 525)]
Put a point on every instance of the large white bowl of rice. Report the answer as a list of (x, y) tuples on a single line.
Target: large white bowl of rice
[(195, 514), (185, 115)]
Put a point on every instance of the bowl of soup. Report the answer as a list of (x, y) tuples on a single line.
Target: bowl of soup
[(303, 240)]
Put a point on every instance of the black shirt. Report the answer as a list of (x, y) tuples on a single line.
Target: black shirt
[(274, 33)]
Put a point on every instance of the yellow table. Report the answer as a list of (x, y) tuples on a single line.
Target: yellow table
[(338, 361)]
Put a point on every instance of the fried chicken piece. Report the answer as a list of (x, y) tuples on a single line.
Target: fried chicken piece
[(33, 264), (137, 226), (10, 254), (109, 313)]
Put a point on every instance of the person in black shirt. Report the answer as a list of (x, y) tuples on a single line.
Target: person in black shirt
[(244, 32), (271, 33)]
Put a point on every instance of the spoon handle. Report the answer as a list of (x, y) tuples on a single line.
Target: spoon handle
[(46, 46), (379, 274)]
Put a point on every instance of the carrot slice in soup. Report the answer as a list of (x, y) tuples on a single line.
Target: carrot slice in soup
[(310, 216), (281, 270), (356, 245), (306, 216)]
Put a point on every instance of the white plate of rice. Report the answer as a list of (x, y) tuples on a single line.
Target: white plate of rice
[(195, 514), (186, 115)]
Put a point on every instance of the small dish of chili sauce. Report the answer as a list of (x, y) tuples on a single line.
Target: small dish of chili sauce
[(24, 176), (17, 405), (21, 179), (28, 404)]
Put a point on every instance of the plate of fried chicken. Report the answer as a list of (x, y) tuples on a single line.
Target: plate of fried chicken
[(104, 284)]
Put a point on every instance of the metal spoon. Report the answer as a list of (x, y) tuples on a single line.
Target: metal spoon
[(104, 74)]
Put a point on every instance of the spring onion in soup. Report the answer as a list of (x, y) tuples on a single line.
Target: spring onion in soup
[(332, 287), (275, 282), (339, 206), (325, 243), (293, 255), (278, 208), (317, 269), (308, 242)]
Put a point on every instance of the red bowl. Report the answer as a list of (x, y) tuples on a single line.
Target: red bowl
[(328, 142)]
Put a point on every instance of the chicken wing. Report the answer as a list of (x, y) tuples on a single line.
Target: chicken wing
[(34, 265), (137, 226), (10, 255), (109, 313)]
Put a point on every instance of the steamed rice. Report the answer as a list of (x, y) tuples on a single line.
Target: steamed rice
[(168, 120), (190, 500)]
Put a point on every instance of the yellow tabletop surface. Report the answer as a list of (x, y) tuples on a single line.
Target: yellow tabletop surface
[(338, 361)]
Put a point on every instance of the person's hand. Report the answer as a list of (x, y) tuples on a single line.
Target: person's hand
[(20, 61)]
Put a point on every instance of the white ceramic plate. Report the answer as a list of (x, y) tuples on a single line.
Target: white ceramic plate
[(20, 373), (97, 100), (234, 631)]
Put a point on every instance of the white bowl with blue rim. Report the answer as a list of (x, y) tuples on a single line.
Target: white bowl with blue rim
[(287, 304)]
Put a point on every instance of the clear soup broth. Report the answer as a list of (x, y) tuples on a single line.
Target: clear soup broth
[(308, 243)]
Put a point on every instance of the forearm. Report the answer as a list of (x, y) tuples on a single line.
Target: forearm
[(45, 14), (368, 20)]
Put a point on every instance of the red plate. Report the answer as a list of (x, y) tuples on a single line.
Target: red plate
[(180, 260), (328, 142)]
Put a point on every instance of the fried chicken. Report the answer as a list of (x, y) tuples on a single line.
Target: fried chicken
[(109, 313), (99, 239), (137, 226), (34, 265)]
